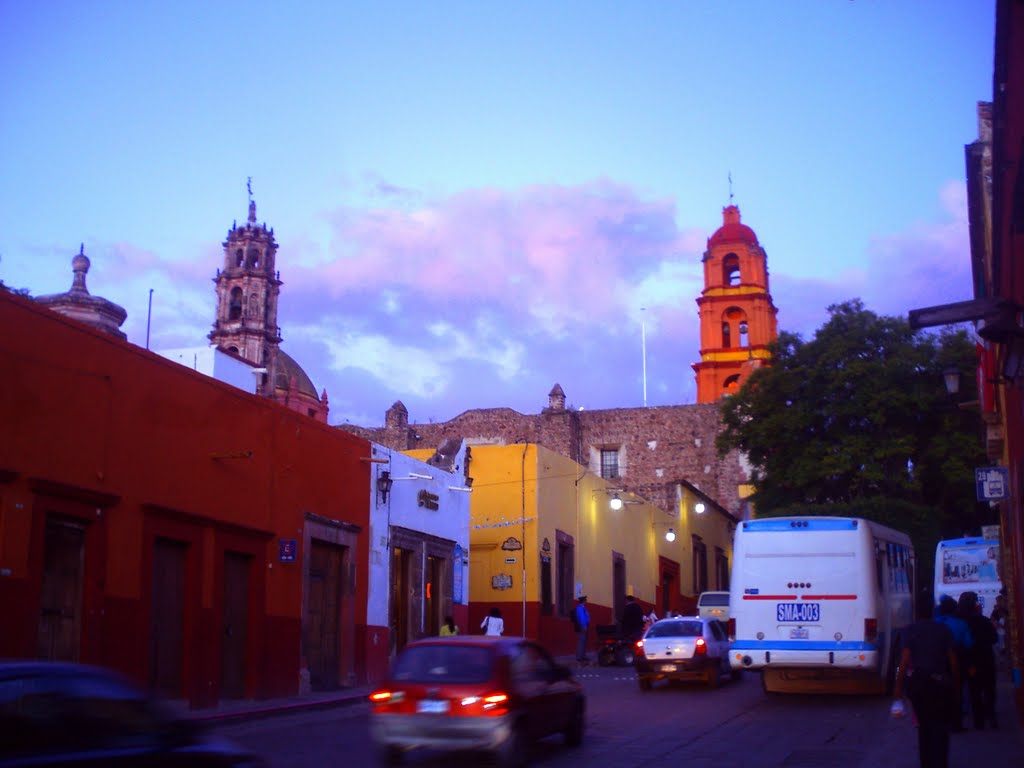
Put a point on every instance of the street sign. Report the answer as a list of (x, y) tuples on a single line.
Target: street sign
[(287, 549), (992, 482)]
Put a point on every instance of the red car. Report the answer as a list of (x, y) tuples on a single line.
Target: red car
[(473, 692)]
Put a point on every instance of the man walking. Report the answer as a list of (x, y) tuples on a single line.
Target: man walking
[(582, 622)]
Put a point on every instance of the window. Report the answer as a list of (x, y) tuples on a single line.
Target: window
[(731, 269), (546, 596), (700, 565), (565, 564), (731, 384), (721, 571), (235, 304), (609, 463), (726, 335), (744, 339)]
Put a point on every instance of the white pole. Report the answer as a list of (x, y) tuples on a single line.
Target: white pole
[(643, 348)]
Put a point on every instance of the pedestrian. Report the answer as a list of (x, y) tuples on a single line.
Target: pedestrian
[(929, 673), (632, 619), (981, 661), (581, 622), (493, 624), (948, 614), (999, 616), (649, 619), (449, 627)]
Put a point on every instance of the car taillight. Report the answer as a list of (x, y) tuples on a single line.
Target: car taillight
[(639, 648), (870, 630), (492, 704), (732, 629), (701, 647)]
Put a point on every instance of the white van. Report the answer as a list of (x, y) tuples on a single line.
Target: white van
[(713, 605)]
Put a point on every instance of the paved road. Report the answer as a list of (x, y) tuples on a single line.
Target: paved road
[(736, 726)]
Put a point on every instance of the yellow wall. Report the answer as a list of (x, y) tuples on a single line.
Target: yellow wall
[(527, 493)]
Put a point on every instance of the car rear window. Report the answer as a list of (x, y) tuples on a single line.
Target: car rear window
[(676, 629), (444, 664), (713, 599)]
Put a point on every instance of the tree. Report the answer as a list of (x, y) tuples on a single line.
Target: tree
[(858, 421)]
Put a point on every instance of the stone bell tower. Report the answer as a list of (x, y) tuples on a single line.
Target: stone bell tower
[(737, 316), (247, 291)]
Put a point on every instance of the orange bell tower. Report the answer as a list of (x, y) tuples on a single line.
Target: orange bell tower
[(737, 317)]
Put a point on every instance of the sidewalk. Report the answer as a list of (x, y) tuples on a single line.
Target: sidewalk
[(895, 745)]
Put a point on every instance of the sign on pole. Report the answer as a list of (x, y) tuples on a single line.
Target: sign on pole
[(992, 483)]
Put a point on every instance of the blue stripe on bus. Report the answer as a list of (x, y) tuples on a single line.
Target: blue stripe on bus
[(799, 645), (806, 524)]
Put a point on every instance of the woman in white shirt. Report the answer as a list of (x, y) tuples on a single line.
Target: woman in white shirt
[(493, 624)]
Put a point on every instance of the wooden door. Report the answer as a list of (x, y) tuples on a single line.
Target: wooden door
[(59, 635), (322, 612), (236, 622), (167, 627)]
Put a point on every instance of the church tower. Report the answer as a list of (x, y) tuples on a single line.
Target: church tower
[(247, 289), (737, 317)]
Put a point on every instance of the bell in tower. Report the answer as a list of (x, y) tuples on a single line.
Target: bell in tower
[(737, 316)]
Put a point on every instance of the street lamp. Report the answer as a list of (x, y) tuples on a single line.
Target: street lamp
[(699, 507), (615, 502)]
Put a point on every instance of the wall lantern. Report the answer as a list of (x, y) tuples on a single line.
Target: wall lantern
[(615, 502), (670, 535), (384, 483), (952, 378), (699, 507)]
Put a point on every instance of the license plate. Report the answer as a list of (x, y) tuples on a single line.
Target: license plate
[(799, 633), (798, 612), (432, 707), (668, 667)]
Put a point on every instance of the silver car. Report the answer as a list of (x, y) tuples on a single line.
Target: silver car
[(683, 648)]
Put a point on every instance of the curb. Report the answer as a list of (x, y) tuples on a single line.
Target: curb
[(272, 710)]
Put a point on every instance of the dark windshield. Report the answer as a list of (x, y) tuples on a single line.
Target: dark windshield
[(713, 599), (675, 629), (444, 664)]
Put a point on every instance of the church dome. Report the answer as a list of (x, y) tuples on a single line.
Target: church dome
[(289, 371), (732, 231)]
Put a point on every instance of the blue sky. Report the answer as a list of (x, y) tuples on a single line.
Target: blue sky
[(475, 201)]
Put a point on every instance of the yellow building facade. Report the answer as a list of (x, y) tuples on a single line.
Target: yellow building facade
[(543, 531)]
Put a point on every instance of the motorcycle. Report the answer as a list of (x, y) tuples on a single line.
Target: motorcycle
[(613, 648)]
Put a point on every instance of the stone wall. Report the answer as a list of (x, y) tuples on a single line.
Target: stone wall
[(658, 446)]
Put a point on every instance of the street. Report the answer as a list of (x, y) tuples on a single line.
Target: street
[(736, 726)]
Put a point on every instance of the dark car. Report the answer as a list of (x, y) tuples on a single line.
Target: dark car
[(492, 694), (61, 714)]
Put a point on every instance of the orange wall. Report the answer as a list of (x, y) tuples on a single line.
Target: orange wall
[(140, 446)]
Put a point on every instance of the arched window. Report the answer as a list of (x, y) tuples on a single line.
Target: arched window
[(733, 317), (744, 338), (233, 349), (252, 258), (731, 385), (731, 269), (235, 305), (238, 257)]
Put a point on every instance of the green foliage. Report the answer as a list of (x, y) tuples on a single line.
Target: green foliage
[(859, 418)]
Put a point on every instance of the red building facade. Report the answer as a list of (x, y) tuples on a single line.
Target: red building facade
[(209, 543)]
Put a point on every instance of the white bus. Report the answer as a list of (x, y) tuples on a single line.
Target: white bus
[(816, 603), (970, 564)]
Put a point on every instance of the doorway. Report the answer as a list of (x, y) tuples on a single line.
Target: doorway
[(235, 625), (327, 564), (167, 625), (60, 610)]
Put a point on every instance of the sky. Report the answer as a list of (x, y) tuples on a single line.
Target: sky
[(475, 201)]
